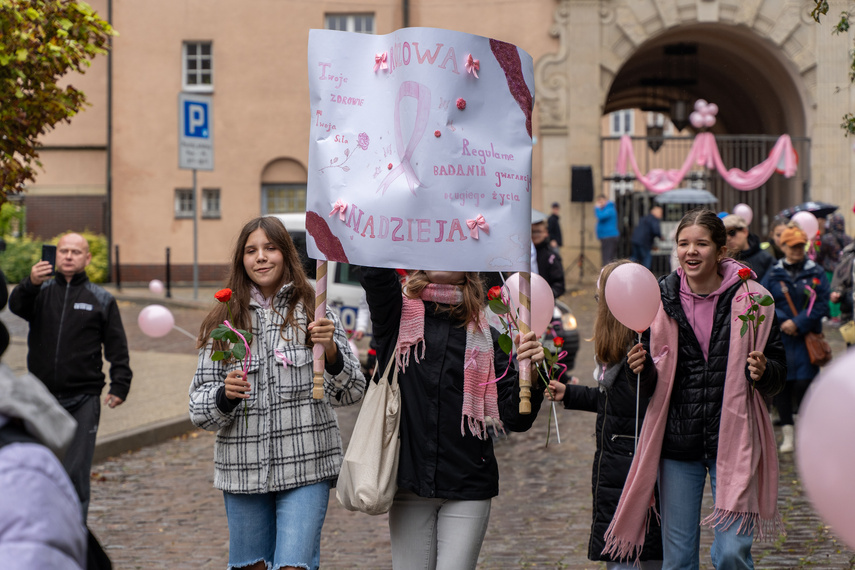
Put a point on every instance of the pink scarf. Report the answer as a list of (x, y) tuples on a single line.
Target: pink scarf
[(747, 458), (480, 399)]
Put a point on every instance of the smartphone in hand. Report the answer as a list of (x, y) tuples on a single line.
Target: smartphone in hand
[(49, 255)]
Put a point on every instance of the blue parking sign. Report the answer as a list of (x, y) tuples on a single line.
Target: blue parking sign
[(195, 131), (196, 119)]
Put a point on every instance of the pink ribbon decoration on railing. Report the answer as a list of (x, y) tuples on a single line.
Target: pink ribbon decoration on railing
[(472, 65), (279, 355), (479, 223), (704, 152), (380, 61), (247, 360), (421, 94), (340, 206)]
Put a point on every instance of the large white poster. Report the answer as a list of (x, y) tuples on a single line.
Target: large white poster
[(420, 150)]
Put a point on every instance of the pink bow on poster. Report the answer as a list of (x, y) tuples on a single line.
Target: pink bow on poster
[(476, 225), (380, 61), (472, 65), (421, 94), (340, 206)]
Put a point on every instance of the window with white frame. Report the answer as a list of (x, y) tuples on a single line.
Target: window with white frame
[(621, 122), (211, 203), (198, 66), (283, 198), (183, 203), (362, 23)]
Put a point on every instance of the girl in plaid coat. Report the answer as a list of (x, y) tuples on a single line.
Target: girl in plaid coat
[(278, 450)]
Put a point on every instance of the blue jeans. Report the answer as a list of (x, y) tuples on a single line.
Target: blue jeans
[(681, 491), (281, 528)]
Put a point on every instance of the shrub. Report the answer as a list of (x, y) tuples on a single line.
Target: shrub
[(22, 253)]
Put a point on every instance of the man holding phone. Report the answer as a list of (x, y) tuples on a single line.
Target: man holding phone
[(70, 319)]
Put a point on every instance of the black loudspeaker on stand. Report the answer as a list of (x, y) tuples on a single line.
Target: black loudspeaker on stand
[(581, 190)]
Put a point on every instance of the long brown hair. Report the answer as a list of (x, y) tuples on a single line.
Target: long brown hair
[(240, 283), (469, 309), (611, 338)]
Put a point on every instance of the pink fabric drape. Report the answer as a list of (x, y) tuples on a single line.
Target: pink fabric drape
[(704, 152)]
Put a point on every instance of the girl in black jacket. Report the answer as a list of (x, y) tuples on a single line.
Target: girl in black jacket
[(448, 360), (614, 401)]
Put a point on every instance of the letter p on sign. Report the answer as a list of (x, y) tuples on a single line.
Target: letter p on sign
[(195, 119)]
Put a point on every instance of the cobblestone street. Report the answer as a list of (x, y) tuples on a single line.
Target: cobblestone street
[(156, 507)]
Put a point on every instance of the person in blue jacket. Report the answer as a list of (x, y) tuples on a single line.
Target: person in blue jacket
[(647, 229), (809, 290), (607, 228)]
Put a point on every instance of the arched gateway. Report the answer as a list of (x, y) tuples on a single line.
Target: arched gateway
[(770, 69)]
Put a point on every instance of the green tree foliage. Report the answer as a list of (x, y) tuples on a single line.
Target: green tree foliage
[(40, 42), (821, 9)]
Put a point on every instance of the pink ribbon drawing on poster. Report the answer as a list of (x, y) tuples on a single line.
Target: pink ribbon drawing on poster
[(422, 96)]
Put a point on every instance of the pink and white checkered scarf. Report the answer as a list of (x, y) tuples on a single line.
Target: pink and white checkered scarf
[(480, 398)]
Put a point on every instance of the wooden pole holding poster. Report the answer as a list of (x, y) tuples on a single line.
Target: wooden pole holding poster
[(320, 313), (525, 327)]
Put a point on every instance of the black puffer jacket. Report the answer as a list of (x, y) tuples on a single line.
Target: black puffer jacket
[(694, 411), (436, 459), (757, 259), (615, 408)]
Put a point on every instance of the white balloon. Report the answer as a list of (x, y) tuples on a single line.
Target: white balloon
[(156, 321)]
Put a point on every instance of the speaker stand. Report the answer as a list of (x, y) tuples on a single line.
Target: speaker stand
[(581, 260)]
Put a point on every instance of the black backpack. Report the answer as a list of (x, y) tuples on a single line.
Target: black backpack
[(96, 558)]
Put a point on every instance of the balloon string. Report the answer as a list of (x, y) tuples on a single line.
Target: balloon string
[(179, 329)]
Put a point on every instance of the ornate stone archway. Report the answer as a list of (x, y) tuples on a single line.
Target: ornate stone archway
[(765, 59)]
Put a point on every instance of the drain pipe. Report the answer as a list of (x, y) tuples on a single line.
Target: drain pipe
[(405, 9)]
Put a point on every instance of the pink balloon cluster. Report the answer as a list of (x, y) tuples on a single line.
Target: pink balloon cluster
[(542, 300), (704, 114), (744, 211), (825, 455), (633, 296), (156, 321)]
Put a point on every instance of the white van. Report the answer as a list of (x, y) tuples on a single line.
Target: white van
[(343, 289)]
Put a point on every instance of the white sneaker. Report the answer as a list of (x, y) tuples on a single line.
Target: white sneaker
[(787, 445)]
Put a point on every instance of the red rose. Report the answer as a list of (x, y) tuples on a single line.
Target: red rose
[(223, 295), (461, 103), (815, 281), (558, 342), (437, 134), (744, 273), (494, 293)]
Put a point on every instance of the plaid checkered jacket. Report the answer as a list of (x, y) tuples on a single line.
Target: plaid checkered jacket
[(288, 439)]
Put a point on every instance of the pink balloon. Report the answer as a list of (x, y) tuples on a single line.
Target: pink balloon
[(700, 105), (712, 109), (156, 321), (825, 455), (696, 119), (709, 120), (633, 296), (744, 211), (156, 286), (807, 222), (542, 300)]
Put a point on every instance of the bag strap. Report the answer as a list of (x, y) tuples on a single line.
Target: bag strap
[(786, 293), (393, 359)]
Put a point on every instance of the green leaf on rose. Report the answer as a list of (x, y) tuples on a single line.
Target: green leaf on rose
[(498, 307), (218, 355), (505, 343), (744, 329), (743, 318), (219, 333), (766, 300), (239, 351)]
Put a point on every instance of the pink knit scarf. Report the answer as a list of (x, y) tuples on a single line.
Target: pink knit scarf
[(746, 461), (480, 398)]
